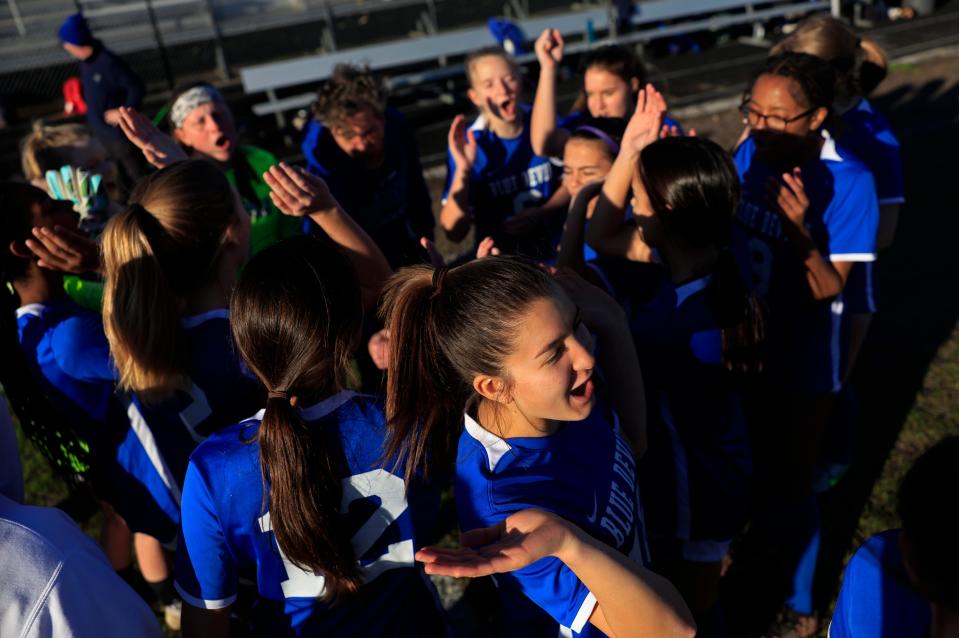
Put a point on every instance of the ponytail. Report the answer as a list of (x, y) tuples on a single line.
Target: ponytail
[(296, 315), (305, 496), (141, 313), (742, 319), (158, 251), (446, 327), (424, 394)]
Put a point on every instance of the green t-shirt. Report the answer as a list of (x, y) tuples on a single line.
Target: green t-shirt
[(268, 225)]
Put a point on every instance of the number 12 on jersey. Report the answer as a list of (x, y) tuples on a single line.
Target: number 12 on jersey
[(390, 490)]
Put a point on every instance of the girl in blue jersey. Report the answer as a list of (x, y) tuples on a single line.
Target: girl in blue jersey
[(864, 132), (494, 179), (169, 260), (66, 353), (692, 324), (612, 78), (298, 498), (502, 341), (808, 214)]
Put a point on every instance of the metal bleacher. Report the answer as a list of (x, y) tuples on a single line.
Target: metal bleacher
[(651, 19)]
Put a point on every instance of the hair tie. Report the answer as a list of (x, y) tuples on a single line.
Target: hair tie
[(278, 394), (610, 142), (439, 276)]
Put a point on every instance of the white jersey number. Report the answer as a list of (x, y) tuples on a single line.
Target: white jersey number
[(389, 488)]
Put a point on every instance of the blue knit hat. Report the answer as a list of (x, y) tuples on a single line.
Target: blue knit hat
[(76, 31)]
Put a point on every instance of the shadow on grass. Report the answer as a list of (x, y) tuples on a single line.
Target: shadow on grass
[(919, 307)]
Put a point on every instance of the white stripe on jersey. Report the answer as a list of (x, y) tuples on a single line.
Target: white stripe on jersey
[(582, 616), (853, 257), (495, 447), (145, 436), (200, 603)]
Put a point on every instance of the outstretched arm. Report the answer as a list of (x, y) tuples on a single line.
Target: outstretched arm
[(546, 139), (607, 233), (630, 599), (296, 192), (158, 148), (456, 216)]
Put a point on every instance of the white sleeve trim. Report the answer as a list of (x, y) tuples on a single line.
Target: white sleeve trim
[(892, 200), (200, 602), (853, 257), (585, 611)]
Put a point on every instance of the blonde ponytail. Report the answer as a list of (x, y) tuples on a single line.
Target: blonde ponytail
[(163, 247)]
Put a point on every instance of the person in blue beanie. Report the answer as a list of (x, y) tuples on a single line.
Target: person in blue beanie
[(108, 83)]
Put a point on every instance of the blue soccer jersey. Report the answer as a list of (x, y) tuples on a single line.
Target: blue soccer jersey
[(226, 532), (806, 348), (163, 435), (584, 472), (66, 347), (876, 599), (868, 135), (696, 474), (506, 177)]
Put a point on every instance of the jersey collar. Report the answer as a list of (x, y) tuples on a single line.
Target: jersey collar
[(495, 447), (328, 405)]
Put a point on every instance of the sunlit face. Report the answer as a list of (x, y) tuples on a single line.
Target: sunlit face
[(607, 94), (551, 366), (584, 161), (495, 88), (362, 137), (80, 52), (777, 121), (209, 130)]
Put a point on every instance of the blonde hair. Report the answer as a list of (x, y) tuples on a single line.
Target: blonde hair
[(488, 52), (165, 245), (832, 40), (48, 147)]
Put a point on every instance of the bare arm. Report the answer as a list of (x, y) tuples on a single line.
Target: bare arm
[(456, 215), (826, 278), (630, 599), (607, 233), (545, 138), (296, 192)]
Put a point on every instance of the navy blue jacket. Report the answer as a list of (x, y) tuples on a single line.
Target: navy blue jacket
[(107, 84)]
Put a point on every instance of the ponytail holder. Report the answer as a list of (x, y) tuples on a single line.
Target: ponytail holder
[(278, 394), (439, 276)]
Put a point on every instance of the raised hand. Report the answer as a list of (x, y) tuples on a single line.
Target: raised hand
[(549, 48), (296, 192), (646, 122), (523, 538), (158, 148), (64, 250), (673, 131), (462, 144), (486, 248), (789, 197)]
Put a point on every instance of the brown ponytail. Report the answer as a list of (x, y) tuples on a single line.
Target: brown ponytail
[(156, 252), (296, 316), (443, 332)]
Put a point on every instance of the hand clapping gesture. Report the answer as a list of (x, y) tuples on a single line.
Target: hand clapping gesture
[(64, 250), (462, 144), (158, 148)]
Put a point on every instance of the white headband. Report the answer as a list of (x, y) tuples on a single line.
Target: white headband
[(191, 99)]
